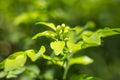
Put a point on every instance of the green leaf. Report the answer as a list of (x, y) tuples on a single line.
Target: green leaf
[(88, 45), (49, 74), (87, 33), (26, 17), (94, 39), (45, 33), (11, 75), (90, 25), (31, 54), (50, 25), (71, 43), (15, 61), (77, 29), (74, 47), (46, 57), (3, 74), (83, 77), (2, 64), (14, 73), (85, 60), (34, 56), (57, 46), (34, 69), (108, 32)]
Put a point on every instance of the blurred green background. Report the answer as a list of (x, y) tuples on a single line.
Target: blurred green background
[(17, 26)]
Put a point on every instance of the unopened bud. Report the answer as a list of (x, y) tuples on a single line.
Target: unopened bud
[(66, 30), (63, 25)]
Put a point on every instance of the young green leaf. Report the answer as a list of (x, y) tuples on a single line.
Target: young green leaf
[(74, 47), (15, 61), (108, 32), (34, 56), (57, 46), (72, 43), (50, 25), (45, 33), (31, 54), (85, 60), (93, 39), (3, 74)]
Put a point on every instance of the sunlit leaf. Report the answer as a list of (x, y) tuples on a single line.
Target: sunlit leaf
[(85, 60), (94, 39), (45, 33), (3, 74), (72, 43), (46, 57), (15, 61), (108, 32), (31, 54), (34, 56), (50, 25), (74, 47), (57, 46), (88, 33), (77, 29)]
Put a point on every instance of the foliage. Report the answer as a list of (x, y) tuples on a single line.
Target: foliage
[(17, 26), (66, 42)]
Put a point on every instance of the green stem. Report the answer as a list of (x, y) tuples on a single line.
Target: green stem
[(66, 70)]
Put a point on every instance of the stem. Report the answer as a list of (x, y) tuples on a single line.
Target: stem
[(66, 70)]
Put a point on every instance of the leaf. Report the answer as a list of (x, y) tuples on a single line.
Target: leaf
[(77, 29), (45, 33), (2, 64), (74, 47), (85, 45), (94, 39), (50, 25), (3, 74), (57, 46), (46, 57), (14, 73), (71, 43), (11, 75), (90, 25), (108, 32), (83, 77), (34, 56), (15, 61), (34, 69), (31, 54), (87, 33), (26, 17), (85, 60)]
